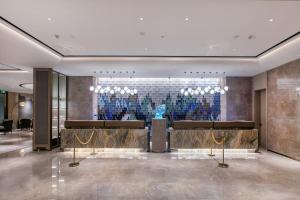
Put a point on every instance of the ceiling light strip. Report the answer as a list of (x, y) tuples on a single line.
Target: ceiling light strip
[(12, 71), (26, 36), (288, 41)]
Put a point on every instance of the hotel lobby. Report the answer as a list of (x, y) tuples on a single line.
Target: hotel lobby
[(149, 100)]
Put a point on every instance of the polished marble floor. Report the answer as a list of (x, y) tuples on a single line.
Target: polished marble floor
[(15, 141), (137, 175)]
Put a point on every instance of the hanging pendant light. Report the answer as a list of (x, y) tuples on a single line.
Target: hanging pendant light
[(206, 89), (111, 89)]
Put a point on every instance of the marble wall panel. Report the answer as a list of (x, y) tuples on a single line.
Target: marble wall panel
[(80, 98), (283, 106), (239, 98)]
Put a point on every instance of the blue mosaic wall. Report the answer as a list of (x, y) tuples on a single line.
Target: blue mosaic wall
[(153, 92)]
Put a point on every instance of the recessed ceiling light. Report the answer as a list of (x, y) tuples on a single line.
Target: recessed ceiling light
[(271, 20), (162, 36), (250, 37), (186, 19), (142, 33), (146, 49), (49, 18), (141, 18)]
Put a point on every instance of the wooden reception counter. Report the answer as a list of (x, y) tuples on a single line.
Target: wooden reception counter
[(105, 134), (199, 135)]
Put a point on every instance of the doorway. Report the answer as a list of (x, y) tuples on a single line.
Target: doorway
[(261, 117)]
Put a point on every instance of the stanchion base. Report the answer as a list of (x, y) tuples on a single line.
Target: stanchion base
[(211, 155), (223, 165), (74, 164)]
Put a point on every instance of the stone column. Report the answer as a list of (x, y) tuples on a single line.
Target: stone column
[(159, 135)]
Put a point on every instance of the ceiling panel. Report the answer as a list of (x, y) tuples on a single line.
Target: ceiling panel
[(156, 28), (4, 67)]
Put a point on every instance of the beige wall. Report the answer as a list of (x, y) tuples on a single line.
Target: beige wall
[(13, 109), (259, 82)]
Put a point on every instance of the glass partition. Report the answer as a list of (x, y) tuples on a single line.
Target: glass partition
[(55, 107), (62, 101), (59, 106)]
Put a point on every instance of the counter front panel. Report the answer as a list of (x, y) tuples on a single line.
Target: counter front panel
[(104, 138), (202, 138)]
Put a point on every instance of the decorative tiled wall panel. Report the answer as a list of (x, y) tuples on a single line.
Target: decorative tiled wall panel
[(156, 91)]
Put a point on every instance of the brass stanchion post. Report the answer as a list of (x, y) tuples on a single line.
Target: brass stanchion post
[(223, 164), (211, 153), (93, 153), (74, 163)]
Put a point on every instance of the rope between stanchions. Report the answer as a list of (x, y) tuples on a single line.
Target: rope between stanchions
[(88, 141), (217, 142)]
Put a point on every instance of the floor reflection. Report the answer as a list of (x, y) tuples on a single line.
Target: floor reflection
[(188, 154), (194, 154), (57, 180), (16, 141), (120, 175), (109, 153)]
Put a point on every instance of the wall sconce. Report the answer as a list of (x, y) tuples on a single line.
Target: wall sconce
[(22, 104)]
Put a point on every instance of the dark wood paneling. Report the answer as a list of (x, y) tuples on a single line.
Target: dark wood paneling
[(42, 108)]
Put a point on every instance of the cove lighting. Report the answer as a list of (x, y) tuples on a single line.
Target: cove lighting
[(5, 26), (27, 86), (13, 71)]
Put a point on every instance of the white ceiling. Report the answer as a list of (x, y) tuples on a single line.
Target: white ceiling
[(113, 28), (4, 67)]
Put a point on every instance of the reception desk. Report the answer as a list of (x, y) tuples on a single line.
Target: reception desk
[(105, 134), (199, 135), (182, 135)]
